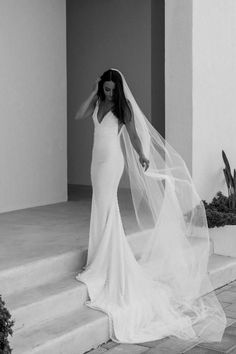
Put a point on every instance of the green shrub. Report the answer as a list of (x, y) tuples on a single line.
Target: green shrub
[(219, 211), (5, 328)]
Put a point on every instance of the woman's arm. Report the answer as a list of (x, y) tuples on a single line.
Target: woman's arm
[(134, 138), (87, 107)]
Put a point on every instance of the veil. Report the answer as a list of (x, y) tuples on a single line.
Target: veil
[(172, 242)]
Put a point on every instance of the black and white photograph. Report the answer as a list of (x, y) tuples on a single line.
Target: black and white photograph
[(118, 176)]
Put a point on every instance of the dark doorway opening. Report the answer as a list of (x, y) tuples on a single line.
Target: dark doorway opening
[(158, 65)]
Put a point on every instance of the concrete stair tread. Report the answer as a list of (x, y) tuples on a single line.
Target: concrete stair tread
[(54, 288), (34, 260), (85, 325), (44, 270), (41, 303), (41, 292), (42, 251), (44, 291), (65, 323), (32, 274), (22, 262), (80, 323)]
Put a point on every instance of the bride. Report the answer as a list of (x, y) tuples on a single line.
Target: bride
[(154, 283)]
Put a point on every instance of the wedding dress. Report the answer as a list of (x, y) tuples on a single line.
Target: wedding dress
[(156, 284)]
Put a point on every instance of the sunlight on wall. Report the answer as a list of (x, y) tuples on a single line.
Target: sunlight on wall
[(214, 90), (33, 103), (201, 86)]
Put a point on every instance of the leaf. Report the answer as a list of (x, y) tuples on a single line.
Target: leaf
[(226, 178), (228, 171), (227, 165), (234, 181)]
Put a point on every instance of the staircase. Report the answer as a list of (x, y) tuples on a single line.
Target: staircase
[(47, 303), (50, 316)]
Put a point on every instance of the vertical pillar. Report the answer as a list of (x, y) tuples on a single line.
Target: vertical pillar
[(178, 76), (200, 91), (213, 91)]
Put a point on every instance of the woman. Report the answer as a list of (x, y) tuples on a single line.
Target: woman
[(151, 285)]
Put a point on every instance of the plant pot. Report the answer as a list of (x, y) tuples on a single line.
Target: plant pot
[(224, 240)]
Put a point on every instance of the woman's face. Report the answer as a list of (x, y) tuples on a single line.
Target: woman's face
[(108, 88)]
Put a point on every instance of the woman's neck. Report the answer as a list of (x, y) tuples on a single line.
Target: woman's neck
[(108, 103)]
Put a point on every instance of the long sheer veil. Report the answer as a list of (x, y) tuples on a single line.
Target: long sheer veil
[(173, 239)]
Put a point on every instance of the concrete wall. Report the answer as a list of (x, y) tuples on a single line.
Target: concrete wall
[(214, 90), (33, 103), (200, 87), (178, 76), (103, 34)]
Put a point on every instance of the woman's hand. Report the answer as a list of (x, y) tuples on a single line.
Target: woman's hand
[(87, 107), (95, 86), (144, 162)]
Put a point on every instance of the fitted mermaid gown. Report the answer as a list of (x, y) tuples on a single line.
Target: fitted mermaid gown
[(139, 308)]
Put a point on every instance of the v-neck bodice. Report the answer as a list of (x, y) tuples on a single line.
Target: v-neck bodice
[(100, 121), (109, 123)]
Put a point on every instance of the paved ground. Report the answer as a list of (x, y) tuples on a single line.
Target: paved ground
[(171, 345)]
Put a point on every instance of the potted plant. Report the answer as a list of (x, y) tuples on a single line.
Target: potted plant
[(221, 215), (5, 328)]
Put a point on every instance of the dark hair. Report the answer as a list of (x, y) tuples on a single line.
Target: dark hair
[(120, 102)]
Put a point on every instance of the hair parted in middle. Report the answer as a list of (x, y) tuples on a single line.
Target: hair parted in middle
[(121, 106)]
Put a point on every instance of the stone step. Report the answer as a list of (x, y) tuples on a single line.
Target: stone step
[(73, 333), (138, 240), (42, 271), (53, 268), (64, 325), (45, 302), (222, 270), (38, 272), (82, 329), (52, 299)]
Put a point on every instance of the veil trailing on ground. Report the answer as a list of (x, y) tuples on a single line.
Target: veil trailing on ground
[(173, 239)]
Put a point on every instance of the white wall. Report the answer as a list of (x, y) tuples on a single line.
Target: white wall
[(104, 34), (178, 76), (201, 87), (214, 92), (33, 103)]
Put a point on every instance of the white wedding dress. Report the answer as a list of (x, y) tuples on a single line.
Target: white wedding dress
[(139, 307)]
